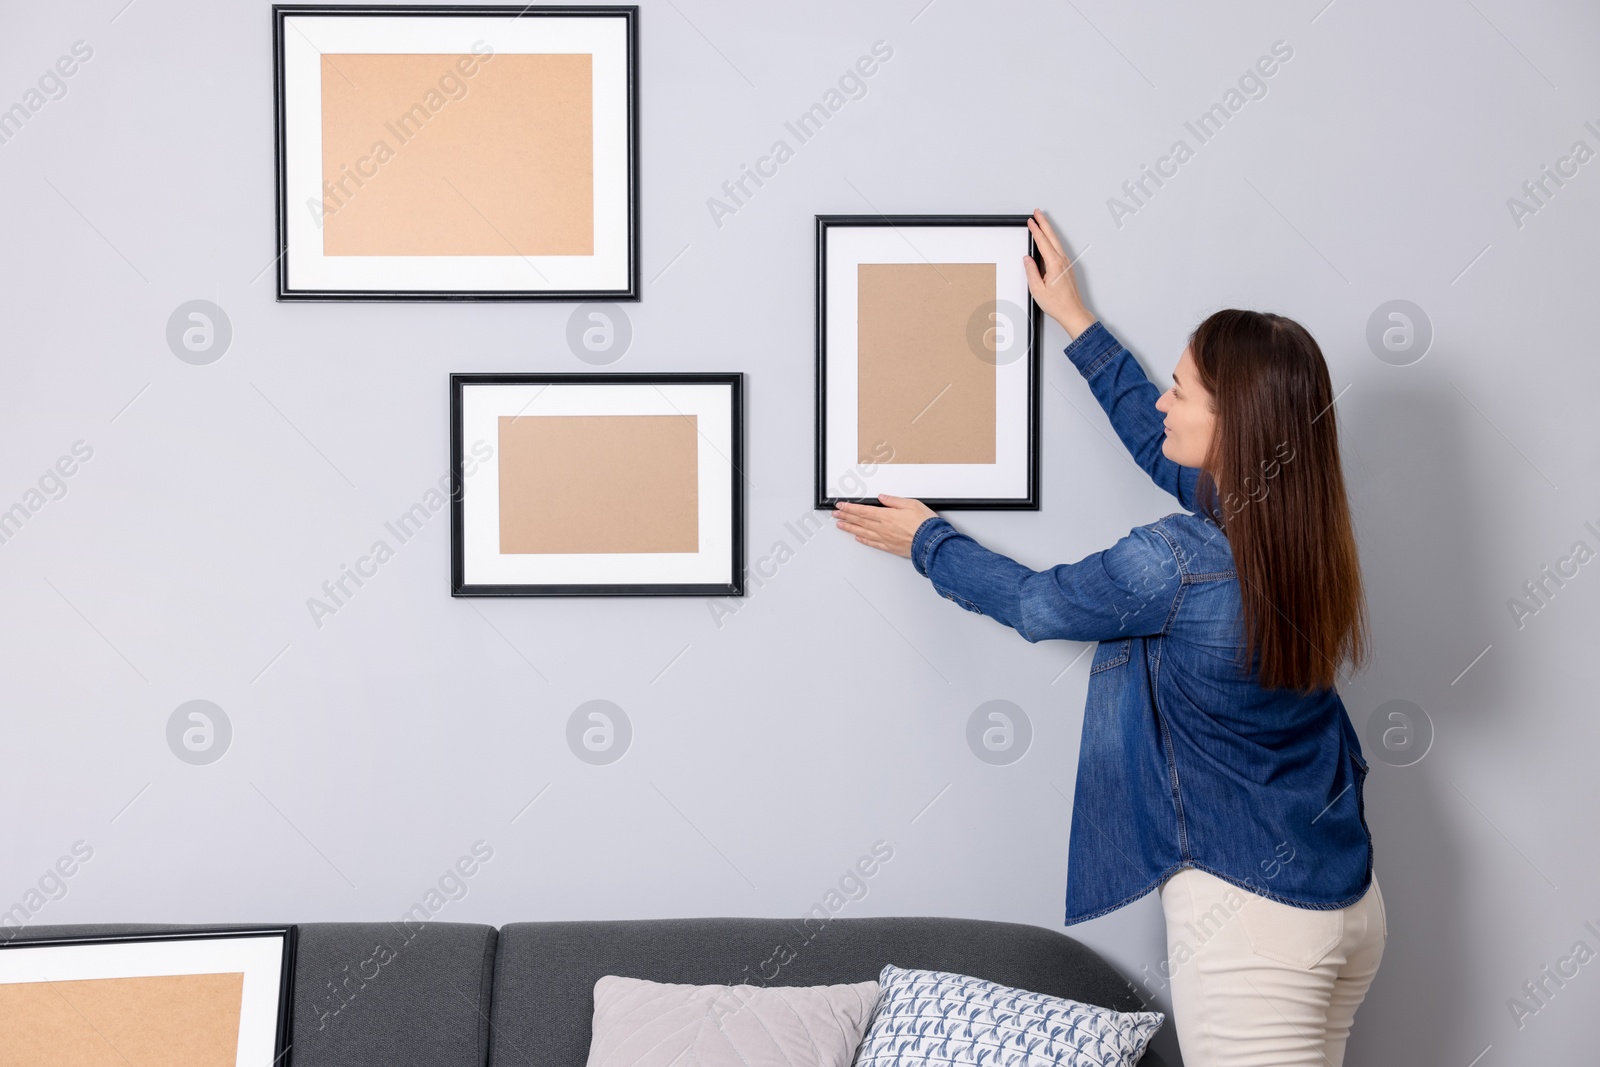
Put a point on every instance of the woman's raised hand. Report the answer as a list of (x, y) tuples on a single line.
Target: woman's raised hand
[(1056, 291), (891, 527)]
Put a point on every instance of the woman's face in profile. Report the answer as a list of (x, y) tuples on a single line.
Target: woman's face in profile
[(1190, 416)]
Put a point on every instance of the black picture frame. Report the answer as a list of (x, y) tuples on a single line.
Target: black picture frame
[(825, 223), (284, 1036), (629, 13), (734, 380)]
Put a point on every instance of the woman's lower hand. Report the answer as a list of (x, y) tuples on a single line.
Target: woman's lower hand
[(1056, 290), (890, 527)]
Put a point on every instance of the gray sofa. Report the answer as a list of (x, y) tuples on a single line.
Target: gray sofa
[(463, 995)]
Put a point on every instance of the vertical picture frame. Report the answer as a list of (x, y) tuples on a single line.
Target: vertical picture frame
[(928, 362), (474, 152)]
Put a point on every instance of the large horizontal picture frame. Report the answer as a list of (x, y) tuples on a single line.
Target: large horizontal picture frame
[(638, 492), (179, 996), (972, 458), (534, 228)]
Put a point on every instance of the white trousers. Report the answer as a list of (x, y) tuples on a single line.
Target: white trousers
[(1257, 983)]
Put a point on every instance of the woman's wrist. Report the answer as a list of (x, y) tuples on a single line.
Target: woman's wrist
[(919, 540), (1076, 321)]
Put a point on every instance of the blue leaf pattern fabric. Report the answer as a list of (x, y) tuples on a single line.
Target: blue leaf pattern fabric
[(935, 1018)]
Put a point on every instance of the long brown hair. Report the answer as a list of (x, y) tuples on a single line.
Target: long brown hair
[(1276, 487)]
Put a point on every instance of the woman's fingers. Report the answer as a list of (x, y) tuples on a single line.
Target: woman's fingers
[(857, 518), (1050, 234), (1053, 260), (850, 525), (872, 512), (862, 522), (888, 528), (867, 535), (1035, 281)]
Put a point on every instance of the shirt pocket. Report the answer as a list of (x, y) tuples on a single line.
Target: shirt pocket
[(1110, 654), (1296, 937)]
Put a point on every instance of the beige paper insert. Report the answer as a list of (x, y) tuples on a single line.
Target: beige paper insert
[(599, 483), (422, 160), (920, 386), (189, 1020)]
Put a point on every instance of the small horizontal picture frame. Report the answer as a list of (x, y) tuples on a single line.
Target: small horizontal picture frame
[(204, 999), (457, 153), (597, 484), (927, 361)]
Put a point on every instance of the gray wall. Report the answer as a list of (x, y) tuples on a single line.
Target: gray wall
[(830, 711)]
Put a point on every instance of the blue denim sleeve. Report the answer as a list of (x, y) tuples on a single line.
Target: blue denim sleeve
[(1129, 400), (1127, 590)]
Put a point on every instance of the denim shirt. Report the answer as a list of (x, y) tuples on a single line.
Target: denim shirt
[(1186, 761)]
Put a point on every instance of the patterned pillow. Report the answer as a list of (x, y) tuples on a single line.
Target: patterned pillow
[(934, 1017)]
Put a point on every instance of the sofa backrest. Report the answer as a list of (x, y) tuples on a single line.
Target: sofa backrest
[(463, 995), (373, 994), (545, 971)]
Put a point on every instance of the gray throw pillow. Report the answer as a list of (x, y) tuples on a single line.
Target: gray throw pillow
[(638, 1023)]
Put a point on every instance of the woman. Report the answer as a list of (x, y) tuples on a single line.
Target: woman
[(1217, 761)]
